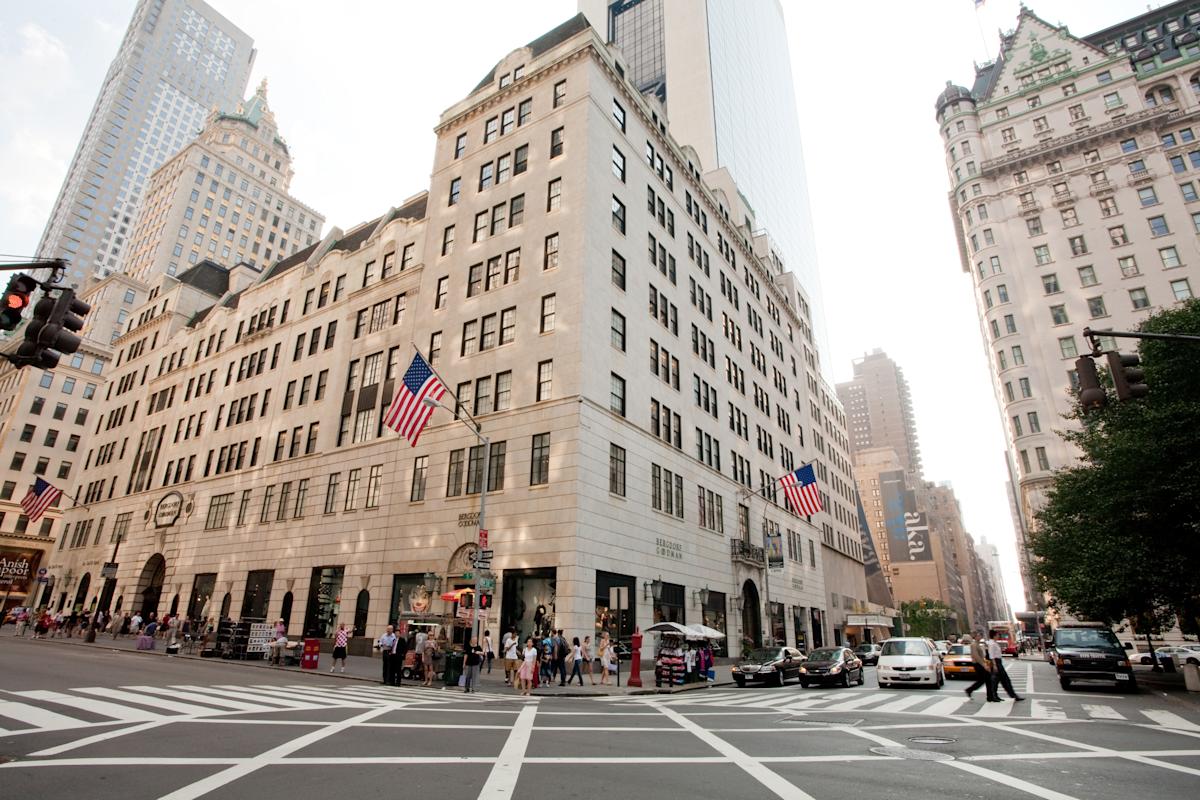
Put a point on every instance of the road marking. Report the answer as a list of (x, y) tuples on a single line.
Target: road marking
[(1009, 780), (994, 710), (95, 706), (1029, 678), (239, 693), (1170, 720), (40, 718), (900, 705), (275, 754), (947, 707), (756, 769), (100, 737), (141, 700), (502, 780), (1101, 712), (864, 699), (174, 692), (1046, 709), (274, 697)]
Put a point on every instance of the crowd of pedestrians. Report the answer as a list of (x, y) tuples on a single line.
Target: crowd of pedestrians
[(73, 623)]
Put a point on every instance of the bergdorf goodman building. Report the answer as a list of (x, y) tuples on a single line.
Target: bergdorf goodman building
[(240, 465)]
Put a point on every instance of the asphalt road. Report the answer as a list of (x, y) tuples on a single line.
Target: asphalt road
[(93, 723)]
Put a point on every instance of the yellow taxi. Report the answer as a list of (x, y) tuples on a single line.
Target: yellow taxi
[(957, 662)]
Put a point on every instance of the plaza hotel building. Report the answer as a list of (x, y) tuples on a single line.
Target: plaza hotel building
[(1073, 165), (608, 312)]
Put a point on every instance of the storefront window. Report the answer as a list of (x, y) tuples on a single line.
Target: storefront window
[(606, 616), (818, 638), (713, 615), (324, 601), (778, 631), (670, 607), (798, 614), (258, 594), (410, 599), (527, 602)]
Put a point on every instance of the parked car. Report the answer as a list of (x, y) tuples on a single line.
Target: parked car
[(1088, 652), (832, 665), (867, 653), (1184, 654), (958, 663), (943, 646), (772, 665), (910, 660)]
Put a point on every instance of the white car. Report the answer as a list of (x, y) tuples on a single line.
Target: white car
[(943, 646), (909, 660), (1187, 654)]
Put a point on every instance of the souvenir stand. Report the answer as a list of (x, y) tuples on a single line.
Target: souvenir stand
[(701, 640), (669, 666)]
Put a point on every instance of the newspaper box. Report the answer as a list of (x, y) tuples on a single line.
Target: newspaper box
[(311, 654)]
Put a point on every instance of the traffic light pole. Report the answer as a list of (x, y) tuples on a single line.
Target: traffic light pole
[(1093, 337)]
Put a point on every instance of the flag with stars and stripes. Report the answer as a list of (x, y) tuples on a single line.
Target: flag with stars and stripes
[(801, 490), (408, 412), (39, 497)]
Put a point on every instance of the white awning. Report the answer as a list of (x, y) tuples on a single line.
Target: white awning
[(869, 620)]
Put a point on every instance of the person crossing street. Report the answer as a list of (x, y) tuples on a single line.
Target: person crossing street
[(999, 674), (983, 670)]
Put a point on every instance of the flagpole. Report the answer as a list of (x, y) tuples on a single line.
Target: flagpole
[(767, 567), (457, 402)]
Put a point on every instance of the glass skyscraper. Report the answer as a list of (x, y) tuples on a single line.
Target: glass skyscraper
[(723, 71), (178, 59)]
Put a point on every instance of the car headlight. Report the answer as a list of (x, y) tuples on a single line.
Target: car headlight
[(834, 670), (735, 668), (1122, 663), (803, 670)]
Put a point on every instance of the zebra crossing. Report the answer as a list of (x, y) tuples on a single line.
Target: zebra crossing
[(943, 704), (40, 710)]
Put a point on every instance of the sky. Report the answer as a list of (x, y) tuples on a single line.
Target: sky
[(357, 87)]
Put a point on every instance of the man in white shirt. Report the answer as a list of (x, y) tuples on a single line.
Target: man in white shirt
[(420, 645), (509, 645), (999, 675)]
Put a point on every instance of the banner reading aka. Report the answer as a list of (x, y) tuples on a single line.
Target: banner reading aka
[(18, 569), (908, 531)]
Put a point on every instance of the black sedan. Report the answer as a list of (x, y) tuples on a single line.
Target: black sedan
[(868, 653), (832, 665), (772, 665)]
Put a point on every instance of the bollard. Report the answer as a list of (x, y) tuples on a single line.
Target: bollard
[(635, 661)]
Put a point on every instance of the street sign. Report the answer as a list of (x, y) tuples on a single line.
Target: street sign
[(486, 555), (466, 576), (109, 570), (487, 584), (483, 537)]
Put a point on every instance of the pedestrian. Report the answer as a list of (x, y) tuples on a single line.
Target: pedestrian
[(983, 669), (605, 648), (42, 626), (399, 653), (611, 666), (22, 621), (340, 638), (561, 651), (576, 659), (586, 652), (529, 658), (135, 624), (489, 653), (430, 648), (547, 670), (173, 629), (386, 645), (999, 674), (419, 651), (474, 659), (510, 646)]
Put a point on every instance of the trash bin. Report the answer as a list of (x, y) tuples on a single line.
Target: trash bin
[(453, 668), (1191, 677), (1168, 664)]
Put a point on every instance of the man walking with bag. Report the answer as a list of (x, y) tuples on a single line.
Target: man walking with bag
[(983, 670)]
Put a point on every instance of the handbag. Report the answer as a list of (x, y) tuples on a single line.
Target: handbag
[(462, 681)]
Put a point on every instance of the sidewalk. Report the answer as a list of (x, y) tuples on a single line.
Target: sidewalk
[(369, 669)]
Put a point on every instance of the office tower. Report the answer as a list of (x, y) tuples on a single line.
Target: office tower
[(879, 410), (178, 59), (721, 72), (628, 433), (1073, 185)]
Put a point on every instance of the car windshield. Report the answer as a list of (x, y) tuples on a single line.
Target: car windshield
[(825, 655), (1086, 637), (903, 647), (763, 654), (864, 648), (960, 650)]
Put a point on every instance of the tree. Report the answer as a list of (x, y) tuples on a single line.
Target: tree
[(1119, 536), (927, 617)]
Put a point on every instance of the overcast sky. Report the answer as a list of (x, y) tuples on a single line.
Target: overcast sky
[(358, 86)]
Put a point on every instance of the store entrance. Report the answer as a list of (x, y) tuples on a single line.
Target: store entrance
[(751, 615)]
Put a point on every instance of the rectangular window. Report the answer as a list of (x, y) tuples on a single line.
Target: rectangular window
[(455, 191), (618, 330), (547, 325), (539, 462), (616, 394), (618, 113), (550, 252), (618, 268), (331, 490), (618, 164), (560, 94), (556, 142), (554, 195), (1067, 348), (616, 470), (545, 373), (374, 484), (352, 490), (618, 214), (420, 474)]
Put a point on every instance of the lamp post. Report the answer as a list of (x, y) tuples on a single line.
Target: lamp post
[(483, 488)]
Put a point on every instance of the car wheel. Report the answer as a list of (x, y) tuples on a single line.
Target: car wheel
[(1145, 659), (741, 682), (1193, 661), (1129, 686), (803, 683), (883, 685), (845, 680), (779, 678), (862, 678), (1064, 683)]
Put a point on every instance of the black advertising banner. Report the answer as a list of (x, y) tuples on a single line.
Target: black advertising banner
[(877, 588), (18, 568), (907, 528)]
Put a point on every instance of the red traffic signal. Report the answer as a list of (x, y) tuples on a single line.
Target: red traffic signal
[(17, 298), (485, 601)]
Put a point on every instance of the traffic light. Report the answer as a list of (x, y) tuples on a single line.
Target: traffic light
[(17, 298), (485, 601), (1128, 377), (51, 331), (1091, 394)]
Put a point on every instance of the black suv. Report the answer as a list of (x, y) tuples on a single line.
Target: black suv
[(1090, 652)]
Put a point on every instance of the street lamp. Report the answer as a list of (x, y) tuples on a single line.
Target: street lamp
[(655, 586), (483, 487), (702, 596), (431, 581)]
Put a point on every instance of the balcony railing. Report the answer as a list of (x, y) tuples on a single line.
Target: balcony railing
[(1064, 198), (1142, 176), (747, 553), (1030, 207), (1102, 187)]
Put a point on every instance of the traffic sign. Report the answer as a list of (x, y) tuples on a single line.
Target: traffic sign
[(466, 576), (485, 555), (483, 537), (487, 584)]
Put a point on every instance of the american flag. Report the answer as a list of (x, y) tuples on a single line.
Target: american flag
[(39, 497), (801, 490), (408, 413)]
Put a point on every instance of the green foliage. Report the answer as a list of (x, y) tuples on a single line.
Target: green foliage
[(1120, 534), (927, 617)]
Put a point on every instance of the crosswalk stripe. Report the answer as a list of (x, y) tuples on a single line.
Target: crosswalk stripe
[(864, 699), (145, 700), (946, 707), (1101, 712), (200, 697), (1171, 720), (38, 717), (901, 704), (994, 710), (239, 693), (316, 695), (94, 706), (277, 694), (1046, 709)]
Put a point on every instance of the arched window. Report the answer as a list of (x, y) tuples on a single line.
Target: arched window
[(1165, 95), (174, 605), (225, 603), (360, 613), (1194, 82), (285, 611)]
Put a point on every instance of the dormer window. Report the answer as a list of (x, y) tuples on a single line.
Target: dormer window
[(505, 79)]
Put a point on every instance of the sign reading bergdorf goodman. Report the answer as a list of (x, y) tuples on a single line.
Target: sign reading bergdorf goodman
[(167, 510)]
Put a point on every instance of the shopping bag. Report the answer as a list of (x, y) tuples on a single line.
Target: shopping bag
[(711, 674), (462, 681)]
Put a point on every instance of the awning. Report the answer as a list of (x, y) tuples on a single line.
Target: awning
[(869, 620)]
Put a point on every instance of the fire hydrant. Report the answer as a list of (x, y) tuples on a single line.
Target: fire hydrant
[(635, 662)]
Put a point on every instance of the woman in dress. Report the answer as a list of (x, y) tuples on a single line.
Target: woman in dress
[(529, 658), (586, 651), (340, 638), (427, 651), (604, 646)]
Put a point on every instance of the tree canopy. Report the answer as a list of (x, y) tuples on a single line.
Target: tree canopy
[(1120, 534)]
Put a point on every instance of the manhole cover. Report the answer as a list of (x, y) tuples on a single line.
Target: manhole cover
[(911, 754), (932, 739)]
